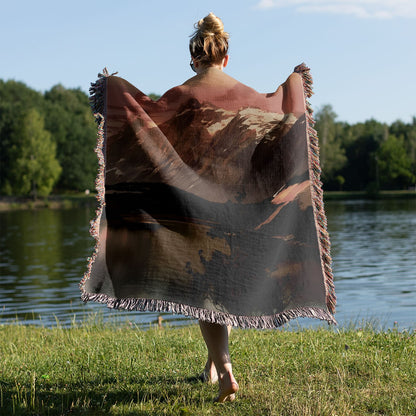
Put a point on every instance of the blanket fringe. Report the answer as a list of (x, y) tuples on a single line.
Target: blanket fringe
[(97, 103), (317, 193), (257, 322)]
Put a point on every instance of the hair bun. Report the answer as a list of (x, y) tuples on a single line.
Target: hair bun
[(209, 42), (210, 25)]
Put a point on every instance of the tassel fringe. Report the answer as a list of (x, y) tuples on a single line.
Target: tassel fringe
[(97, 103), (258, 322), (317, 193)]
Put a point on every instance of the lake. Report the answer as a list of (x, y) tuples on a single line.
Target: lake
[(43, 257)]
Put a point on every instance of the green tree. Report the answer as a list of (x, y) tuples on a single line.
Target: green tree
[(332, 154), (408, 132), (153, 96), (361, 142), (34, 168), (15, 99), (71, 123), (394, 164), (7, 125)]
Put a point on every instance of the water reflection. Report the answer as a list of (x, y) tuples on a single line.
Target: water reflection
[(374, 255), (43, 257)]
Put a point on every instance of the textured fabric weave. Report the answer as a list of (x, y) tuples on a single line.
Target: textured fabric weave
[(210, 202)]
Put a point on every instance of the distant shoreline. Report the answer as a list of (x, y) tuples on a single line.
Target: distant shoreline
[(63, 201), (341, 195), (67, 201)]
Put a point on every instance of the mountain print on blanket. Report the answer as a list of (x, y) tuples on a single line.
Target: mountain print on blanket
[(208, 207)]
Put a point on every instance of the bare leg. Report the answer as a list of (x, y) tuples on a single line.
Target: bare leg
[(216, 339), (209, 373)]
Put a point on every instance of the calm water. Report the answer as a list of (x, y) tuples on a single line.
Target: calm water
[(43, 257)]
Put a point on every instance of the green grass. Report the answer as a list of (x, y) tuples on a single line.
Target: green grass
[(104, 369)]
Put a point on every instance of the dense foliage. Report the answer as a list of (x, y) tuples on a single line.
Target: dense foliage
[(47, 144), (367, 156), (46, 140)]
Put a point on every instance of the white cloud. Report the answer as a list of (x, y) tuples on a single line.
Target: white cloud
[(378, 9)]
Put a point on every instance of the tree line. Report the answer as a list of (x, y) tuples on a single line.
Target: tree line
[(368, 156), (47, 143), (47, 140)]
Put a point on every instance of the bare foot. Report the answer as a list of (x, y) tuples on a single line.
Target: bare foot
[(209, 374), (228, 388)]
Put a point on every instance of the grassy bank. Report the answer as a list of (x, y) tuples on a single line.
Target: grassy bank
[(103, 370)]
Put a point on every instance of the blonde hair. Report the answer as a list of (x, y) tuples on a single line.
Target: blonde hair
[(209, 42)]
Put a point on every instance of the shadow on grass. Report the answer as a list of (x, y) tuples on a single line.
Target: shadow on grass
[(99, 397)]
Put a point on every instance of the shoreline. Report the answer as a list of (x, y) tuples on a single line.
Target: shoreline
[(348, 195), (59, 201), (68, 201)]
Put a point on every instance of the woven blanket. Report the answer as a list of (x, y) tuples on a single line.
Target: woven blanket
[(210, 202)]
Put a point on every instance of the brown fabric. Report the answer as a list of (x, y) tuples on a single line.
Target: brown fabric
[(211, 204)]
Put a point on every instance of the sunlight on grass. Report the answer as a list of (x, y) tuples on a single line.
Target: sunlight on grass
[(116, 368)]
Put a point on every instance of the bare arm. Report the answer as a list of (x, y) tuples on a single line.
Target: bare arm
[(293, 95)]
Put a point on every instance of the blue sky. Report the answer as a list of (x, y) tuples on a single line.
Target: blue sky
[(361, 52)]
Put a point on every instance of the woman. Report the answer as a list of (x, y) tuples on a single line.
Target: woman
[(209, 54), (213, 205)]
